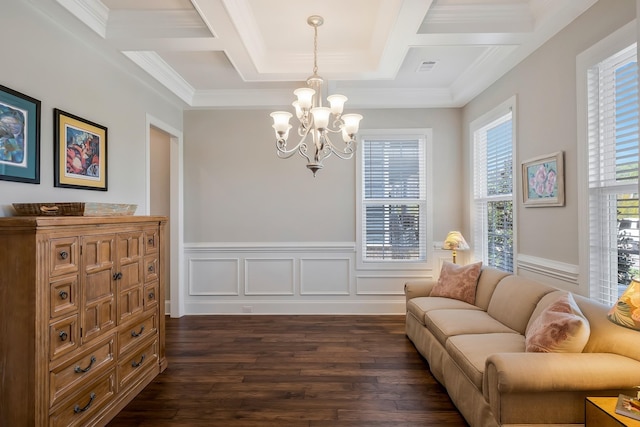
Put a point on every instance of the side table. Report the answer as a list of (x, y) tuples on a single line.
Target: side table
[(601, 412)]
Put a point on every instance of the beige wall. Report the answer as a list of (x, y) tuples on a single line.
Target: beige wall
[(545, 86), (48, 59), (237, 190)]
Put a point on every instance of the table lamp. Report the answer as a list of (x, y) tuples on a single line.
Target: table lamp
[(454, 242)]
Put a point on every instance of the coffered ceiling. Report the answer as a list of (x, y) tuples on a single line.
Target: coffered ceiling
[(379, 53)]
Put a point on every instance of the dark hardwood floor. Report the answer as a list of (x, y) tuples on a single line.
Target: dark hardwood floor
[(311, 371)]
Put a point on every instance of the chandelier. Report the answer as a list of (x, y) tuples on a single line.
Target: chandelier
[(316, 120)]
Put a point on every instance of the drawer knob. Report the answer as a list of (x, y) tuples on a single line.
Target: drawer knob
[(79, 370), (151, 268), (117, 276), (63, 336), (150, 241), (63, 295), (135, 364), (64, 254), (137, 334), (77, 409), (152, 295)]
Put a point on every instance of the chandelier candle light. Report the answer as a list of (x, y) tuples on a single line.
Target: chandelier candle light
[(315, 119)]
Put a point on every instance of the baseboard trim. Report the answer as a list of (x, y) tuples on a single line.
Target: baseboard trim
[(387, 307)]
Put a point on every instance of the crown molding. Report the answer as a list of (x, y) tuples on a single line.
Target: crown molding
[(92, 12)]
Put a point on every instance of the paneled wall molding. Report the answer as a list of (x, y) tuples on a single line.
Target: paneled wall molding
[(556, 270), (289, 278)]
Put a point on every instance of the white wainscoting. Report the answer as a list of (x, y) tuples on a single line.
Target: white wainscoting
[(559, 274), (289, 278)]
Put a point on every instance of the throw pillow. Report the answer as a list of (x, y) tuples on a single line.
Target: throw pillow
[(458, 282), (560, 328)]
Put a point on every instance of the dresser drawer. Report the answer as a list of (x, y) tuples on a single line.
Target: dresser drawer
[(63, 256), (151, 241), (63, 296), (83, 368), (151, 295), (150, 269), (64, 336), (138, 363), (86, 403), (132, 334)]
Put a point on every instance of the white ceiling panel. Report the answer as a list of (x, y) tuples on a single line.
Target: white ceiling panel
[(251, 53)]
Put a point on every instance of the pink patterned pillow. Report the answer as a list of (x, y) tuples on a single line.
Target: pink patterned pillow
[(560, 328), (458, 282)]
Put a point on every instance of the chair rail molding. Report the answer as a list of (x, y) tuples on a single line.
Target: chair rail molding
[(555, 270)]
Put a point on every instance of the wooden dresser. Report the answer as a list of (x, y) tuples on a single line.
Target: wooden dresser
[(81, 316)]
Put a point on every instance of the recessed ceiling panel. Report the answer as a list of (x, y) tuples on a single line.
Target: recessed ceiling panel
[(278, 38), (148, 4), (211, 71), (241, 53)]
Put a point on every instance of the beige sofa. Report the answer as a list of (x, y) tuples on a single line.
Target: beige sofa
[(477, 351)]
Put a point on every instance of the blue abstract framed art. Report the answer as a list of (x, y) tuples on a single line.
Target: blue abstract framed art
[(19, 137)]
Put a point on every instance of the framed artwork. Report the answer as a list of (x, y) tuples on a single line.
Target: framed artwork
[(19, 137), (543, 180), (80, 152)]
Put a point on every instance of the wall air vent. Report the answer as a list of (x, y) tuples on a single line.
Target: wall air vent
[(425, 66)]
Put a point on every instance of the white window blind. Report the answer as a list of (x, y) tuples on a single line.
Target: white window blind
[(493, 193), (612, 96), (393, 200)]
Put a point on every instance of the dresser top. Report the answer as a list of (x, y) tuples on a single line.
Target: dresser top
[(13, 222)]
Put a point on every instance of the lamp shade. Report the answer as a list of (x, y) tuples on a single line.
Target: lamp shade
[(352, 123), (455, 241), (337, 103), (281, 120), (626, 311), (305, 96)]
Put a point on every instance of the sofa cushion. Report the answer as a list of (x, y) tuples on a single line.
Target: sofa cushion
[(447, 323), (470, 352), (560, 327), (487, 282), (419, 306), (457, 281), (514, 300)]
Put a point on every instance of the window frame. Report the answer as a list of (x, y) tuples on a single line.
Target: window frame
[(477, 229), (586, 60), (425, 134)]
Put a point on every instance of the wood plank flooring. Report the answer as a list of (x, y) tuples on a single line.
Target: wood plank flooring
[(291, 371)]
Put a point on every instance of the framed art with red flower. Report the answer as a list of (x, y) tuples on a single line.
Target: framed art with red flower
[(80, 155), (543, 180)]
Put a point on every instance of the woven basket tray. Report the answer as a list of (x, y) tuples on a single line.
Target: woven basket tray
[(74, 209)]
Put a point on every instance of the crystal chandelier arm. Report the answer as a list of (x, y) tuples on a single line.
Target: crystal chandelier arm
[(345, 154), (301, 147)]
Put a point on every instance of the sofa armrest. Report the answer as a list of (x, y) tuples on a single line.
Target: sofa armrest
[(544, 372), (418, 288)]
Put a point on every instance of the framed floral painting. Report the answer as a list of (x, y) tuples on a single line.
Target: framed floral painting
[(80, 152), (543, 180), (19, 137)]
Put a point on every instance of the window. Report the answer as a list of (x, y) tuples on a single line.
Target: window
[(612, 137), (392, 210), (493, 240)]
